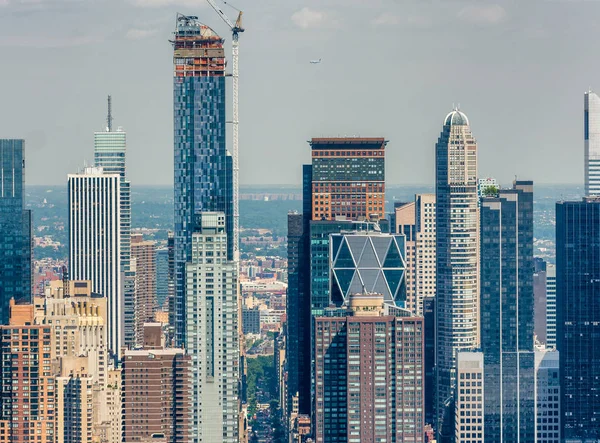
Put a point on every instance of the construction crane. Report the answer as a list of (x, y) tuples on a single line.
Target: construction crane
[(236, 29)]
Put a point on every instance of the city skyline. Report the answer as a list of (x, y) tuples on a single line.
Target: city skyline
[(480, 79)]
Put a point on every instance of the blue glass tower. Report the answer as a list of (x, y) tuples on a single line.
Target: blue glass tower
[(203, 167), (15, 228), (507, 320), (578, 317)]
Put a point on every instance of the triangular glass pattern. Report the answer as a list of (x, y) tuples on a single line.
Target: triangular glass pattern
[(336, 240), (356, 287), (393, 277), (357, 244), (393, 259), (344, 278), (368, 258), (344, 257), (369, 277), (401, 241), (381, 245), (381, 287)]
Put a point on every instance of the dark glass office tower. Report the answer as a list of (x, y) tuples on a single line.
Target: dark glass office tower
[(507, 314), (203, 168), (578, 316), (15, 228)]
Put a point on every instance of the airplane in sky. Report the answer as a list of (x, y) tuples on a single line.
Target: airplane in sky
[(315, 62)]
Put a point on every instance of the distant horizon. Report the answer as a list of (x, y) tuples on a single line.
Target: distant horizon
[(297, 185)]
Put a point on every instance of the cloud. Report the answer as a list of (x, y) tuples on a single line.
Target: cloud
[(483, 14), (307, 18), (138, 34), (386, 20)]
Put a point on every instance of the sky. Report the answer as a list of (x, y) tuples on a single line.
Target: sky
[(391, 68)]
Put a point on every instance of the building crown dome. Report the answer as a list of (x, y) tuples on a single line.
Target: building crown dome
[(456, 117)]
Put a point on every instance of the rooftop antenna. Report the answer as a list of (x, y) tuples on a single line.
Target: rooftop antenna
[(109, 118)]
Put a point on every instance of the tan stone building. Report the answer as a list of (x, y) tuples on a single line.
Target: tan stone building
[(416, 220)]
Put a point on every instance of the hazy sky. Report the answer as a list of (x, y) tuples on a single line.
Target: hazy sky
[(390, 68)]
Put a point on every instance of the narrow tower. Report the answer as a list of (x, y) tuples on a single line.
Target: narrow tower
[(110, 148), (457, 246), (591, 143), (203, 167)]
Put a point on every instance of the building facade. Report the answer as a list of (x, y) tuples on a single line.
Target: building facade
[(469, 425), (507, 320), (162, 278), (551, 306), (155, 395), (27, 403), (540, 301), (547, 392), (578, 315), (144, 253), (94, 242), (591, 143), (348, 177), (368, 374), (203, 168), (367, 261), (457, 246), (416, 220), (15, 228), (212, 333)]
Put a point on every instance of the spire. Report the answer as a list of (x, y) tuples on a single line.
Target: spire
[(109, 118)]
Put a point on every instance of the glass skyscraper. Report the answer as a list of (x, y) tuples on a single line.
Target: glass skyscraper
[(15, 228), (578, 316), (203, 167), (109, 154), (457, 246), (507, 320), (591, 143)]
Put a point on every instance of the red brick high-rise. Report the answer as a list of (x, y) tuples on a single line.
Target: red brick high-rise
[(156, 395)]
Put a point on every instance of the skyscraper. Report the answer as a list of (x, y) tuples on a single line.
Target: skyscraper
[(470, 390), (551, 306), (540, 301), (94, 242), (416, 220), (507, 319), (25, 367), (368, 374), (162, 277), (15, 228), (212, 332), (591, 143), (145, 291), (203, 168), (348, 177), (578, 315), (457, 246), (547, 392), (110, 148), (156, 396), (344, 183)]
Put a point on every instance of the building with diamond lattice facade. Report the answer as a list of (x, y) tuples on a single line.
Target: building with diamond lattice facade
[(367, 261)]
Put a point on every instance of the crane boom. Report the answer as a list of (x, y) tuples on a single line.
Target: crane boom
[(236, 29)]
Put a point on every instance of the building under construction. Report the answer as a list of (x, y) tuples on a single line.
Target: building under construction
[(203, 167), (204, 190)]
